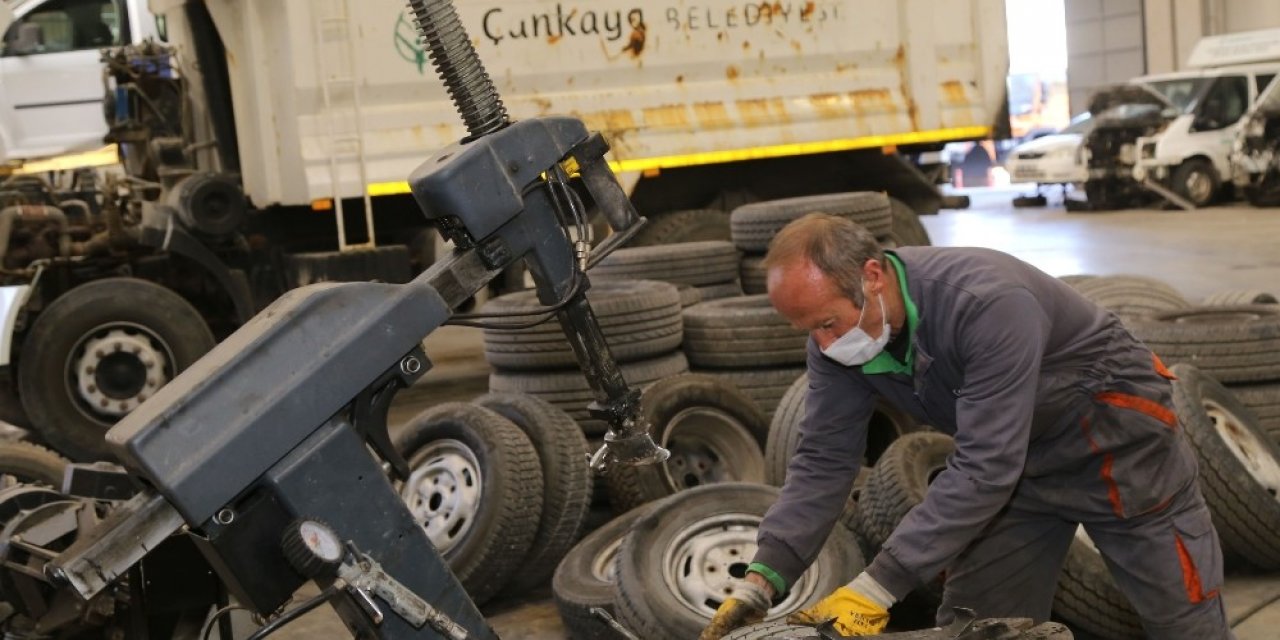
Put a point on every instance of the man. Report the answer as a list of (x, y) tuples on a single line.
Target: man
[(1060, 417)]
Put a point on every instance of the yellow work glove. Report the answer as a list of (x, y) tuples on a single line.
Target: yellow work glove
[(852, 612), (746, 604)]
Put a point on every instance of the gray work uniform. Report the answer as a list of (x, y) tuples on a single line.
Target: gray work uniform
[(1060, 416)]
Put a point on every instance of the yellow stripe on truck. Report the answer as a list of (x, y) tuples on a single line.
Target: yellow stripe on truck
[(758, 153), (106, 156)]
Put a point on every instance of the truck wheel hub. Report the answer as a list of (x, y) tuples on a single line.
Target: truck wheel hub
[(709, 446), (118, 368), (443, 491), (1253, 455)]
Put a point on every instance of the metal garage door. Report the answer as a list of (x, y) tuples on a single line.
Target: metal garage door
[(1104, 45)]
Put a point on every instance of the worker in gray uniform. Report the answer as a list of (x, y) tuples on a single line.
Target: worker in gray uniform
[(1060, 418)]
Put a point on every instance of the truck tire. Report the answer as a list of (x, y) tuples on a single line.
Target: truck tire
[(720, 291), (569, 391), (698, 541), (908, 231), (1236, 297), (764, 386), (1231, 344), (1263, 401), (1088, 598), (755, 277), (781, 630), (639, 318), (692, 225), (586, 579), (100, 350), (1197, 181), (714, 432), (26, 463), (1239, 466), (1131, 297), (566, 481), (475, 485), (741, 332), (694, 263), (754, 225)]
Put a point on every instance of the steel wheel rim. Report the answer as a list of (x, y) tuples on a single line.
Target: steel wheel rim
[(114, 368), (708, 446), (603, 567), (705, 559), (1198, 185), (1083, 537), (1248, 449), (444, 491)]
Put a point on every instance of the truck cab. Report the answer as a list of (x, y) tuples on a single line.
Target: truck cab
[(51, 91)]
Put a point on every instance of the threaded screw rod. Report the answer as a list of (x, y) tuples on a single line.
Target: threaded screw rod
[(456, 62)]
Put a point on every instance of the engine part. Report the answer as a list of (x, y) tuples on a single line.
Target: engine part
[(209, 203)]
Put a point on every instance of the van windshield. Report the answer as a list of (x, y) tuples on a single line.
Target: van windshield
[(1182, 93)]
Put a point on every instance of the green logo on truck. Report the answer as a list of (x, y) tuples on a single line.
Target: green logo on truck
[(406, 39)]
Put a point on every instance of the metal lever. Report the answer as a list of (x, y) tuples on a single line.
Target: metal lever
[(365, 578)]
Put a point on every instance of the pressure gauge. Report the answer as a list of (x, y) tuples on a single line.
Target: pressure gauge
[(313, 548)]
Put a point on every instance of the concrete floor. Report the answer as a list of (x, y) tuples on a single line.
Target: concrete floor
[(1199, 253)]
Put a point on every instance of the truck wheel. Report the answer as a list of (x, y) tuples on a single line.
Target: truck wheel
[(755, 224), (1088, 598), (1197, 181), (1233, 344), (1239, 466), (678, 562), (1131, 297), (475, 485), (765, 386), (1263, 401), (715, 434), (683, 226), (99, 351), (586, 578), (741, 332), (26, 463), (693, 263), (566, 479), (755, 278)]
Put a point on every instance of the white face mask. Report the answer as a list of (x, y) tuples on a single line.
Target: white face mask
[(856, 347)]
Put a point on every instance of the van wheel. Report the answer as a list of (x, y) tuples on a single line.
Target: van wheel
[(1197, 181), (99, 351)]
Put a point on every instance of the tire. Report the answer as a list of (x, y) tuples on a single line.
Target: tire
[(1088, 598), (1076, 279), (1235, 297), (1241, 495), (908, 231), (485, 541), (764, 386), (585, 578), (720, 291), (569, 391), (639, 318), (714, 432), (693, 263), (754, 225), (1197, 181), (754, 276), (1231, 344), (683, 226), (1027, 202), (566, 481), (26, 463), (741, 333), (1131, 297), (780, 630), (699, 540), (117, 314), (1263, 401)]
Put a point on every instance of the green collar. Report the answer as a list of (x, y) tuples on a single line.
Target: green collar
[(884, 362)]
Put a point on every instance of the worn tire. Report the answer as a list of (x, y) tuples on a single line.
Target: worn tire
[(1236, 297), (566, 481), (692, 225), (1245, 512), (908, 231), (1232, 344), (648, 605), (490, 544), (754, 225), (1131, 297), (694, 263), (639, 318), (569, 391), (1088, 598), (764, 386), (26, 463), (1196, 169), (755, 278), (1263, 401), (740, 333), (128, 307), (584, 579), (714, 432)]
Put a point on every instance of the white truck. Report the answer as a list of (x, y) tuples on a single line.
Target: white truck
[(268, 144)]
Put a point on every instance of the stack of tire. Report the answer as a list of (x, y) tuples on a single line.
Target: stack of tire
[(704, 270), (501, 487), (754, 225), (1262, 397), (1129, 297), (641, 323), (662, 569)]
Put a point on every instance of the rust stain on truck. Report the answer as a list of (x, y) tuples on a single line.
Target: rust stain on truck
[(762, 111), (668, 115), (953, 93), (712, 115)]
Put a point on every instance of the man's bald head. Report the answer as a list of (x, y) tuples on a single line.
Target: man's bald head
[(836, 247)]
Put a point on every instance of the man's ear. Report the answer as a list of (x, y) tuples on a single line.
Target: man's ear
[(873, 275)]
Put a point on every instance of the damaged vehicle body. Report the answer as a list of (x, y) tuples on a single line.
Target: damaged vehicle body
[(1122, 115), (1255, 161)]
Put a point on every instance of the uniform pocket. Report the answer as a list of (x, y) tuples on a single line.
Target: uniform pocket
[(1199, 554)]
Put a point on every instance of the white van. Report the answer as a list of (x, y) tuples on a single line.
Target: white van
[(1191, 153), (51, 89)]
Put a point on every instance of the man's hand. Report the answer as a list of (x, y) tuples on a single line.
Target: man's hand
[(747, 604), (860, 608)]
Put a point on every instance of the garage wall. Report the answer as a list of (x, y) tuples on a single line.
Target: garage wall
[(1105, 45), (1172, 27)]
